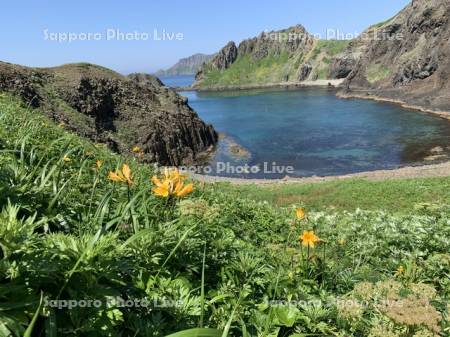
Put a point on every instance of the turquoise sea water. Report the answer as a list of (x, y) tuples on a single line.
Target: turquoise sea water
[(316, 133)]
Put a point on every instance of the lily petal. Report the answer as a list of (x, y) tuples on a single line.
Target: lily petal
[(156, 181), (186, 190), (162, 190), (127, 173), (115, 177)]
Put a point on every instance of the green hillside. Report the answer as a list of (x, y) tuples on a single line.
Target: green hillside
[(276, 67)]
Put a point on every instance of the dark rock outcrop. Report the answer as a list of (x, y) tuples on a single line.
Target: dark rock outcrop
[(22, 81), (304, 72), (416, 70), (342, 66), (146, 80), (221, 61), (408, 57), (122, 112), (292, 40), (226, 56)]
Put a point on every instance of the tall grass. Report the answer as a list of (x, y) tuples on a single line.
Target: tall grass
[(212, 264)]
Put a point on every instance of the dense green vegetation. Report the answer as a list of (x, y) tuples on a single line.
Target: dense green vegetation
[(245, 70), (329, 47), (210, 259)]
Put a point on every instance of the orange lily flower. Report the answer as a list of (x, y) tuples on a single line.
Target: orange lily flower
[(123, 176), (172, 184), (309, 239)]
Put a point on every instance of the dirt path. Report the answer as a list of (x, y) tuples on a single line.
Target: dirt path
[(426, 171)]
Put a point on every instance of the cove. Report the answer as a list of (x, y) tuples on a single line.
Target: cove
[(316, 133)]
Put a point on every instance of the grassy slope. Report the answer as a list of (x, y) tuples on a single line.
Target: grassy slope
[(69, 233), (275, 68), (245, 70), (322, 54), (390, 195)]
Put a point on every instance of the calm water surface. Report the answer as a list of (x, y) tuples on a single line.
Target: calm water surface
[(177, 81), (316, 133)]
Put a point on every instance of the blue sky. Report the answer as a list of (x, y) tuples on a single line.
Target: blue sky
[(206, 26)]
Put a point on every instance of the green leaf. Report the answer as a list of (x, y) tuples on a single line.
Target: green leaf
[(30, 328), (199, 332), (286, 315), (183, 237), (202, 294)]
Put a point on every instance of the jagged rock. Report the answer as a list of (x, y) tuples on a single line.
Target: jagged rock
[(293, 42), (121, 112), (222, 60), (247, 46), (415, 67), (304, 72), (226, 56), (146, 80), (342, 66), (22, 81)]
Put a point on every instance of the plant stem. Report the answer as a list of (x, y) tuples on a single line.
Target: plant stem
[(202, 291)]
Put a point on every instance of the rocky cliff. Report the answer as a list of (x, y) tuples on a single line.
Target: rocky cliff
[(407, 58), (270, 57), (186, 66), (289, 55), (107, 107)]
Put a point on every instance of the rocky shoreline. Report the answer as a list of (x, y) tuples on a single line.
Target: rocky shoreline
[(334, 83), (370, 96), (412, 67), (404, 60)]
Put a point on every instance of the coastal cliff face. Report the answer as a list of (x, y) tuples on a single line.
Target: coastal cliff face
[(186, 66), (109, 108), (221, 61), (284, 56), (225, 57), (407, 58), (271, 57)]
